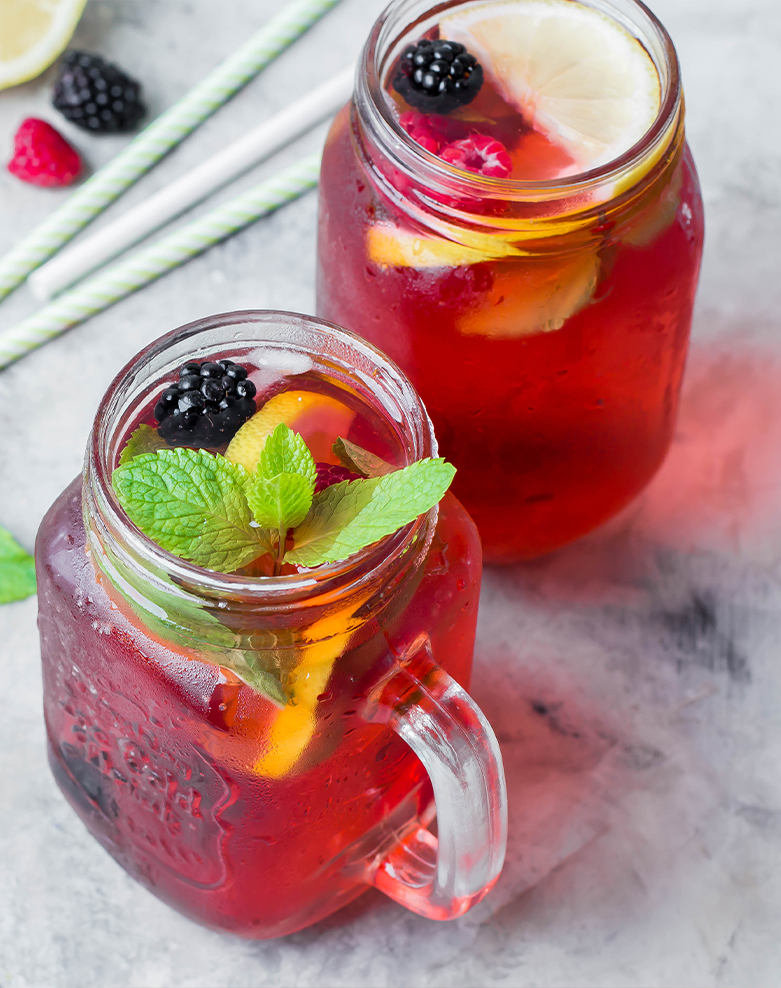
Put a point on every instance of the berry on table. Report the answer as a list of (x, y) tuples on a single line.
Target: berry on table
[(96, 95), (438, 76), (42, 156), (207, 406), (481, 154)]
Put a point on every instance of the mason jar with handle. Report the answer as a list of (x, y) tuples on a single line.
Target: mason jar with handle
[(250, 814), (544, 321)]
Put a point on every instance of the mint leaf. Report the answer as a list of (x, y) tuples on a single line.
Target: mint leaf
[(17, 570), (144, 439), (251, 666), (262, 658), (193, 504), (269, 665), (348, 516), (332, 511), (281, 502), (360, 460), (284, 451), (281, 489)]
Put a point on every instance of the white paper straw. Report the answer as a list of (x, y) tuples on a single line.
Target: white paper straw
[(73, 263), (158, 138), (151, 262)]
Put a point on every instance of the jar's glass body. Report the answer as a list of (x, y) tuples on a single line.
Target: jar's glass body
[(555, 417), (164, 752)]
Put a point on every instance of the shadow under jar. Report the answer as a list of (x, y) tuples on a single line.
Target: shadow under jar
[(247, 817), (544, 323)]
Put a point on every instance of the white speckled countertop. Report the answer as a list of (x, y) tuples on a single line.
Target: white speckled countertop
[(634, 679)]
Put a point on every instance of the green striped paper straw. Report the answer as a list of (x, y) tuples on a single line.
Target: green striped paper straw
[(121, 280), (158, 138)]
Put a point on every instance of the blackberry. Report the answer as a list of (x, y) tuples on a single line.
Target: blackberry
[(208, 405), (96, 95), (85, 781), (438, 76)]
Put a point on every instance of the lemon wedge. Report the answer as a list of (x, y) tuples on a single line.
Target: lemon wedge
[(393, 247), (32, 34), (575, 74), (534, 296), (319, 419)]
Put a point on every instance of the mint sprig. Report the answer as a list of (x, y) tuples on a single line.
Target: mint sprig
[(17, 570), (281, 489), (212, 512)]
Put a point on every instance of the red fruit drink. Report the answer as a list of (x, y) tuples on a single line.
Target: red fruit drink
[(530, 266), (246, 815)]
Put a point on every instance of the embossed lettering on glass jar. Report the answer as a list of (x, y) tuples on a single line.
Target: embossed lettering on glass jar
[(164, 752), (544, 323)]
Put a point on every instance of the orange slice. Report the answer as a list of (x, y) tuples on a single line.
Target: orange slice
[(294, 727), (319, 419)]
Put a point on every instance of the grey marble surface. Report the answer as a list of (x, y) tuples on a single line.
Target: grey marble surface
[(645, 829)]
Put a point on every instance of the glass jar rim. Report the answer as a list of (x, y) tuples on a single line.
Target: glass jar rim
[(376, 112), (344, 576)]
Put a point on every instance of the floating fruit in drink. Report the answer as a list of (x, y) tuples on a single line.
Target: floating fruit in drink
[(207, 405), (536, 297), (573, 73), (389, 246), (318, 418), (293, 727)]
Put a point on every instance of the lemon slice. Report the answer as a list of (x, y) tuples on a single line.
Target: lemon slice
[(319, 419), (392, 247), (531, 297), (32, 34), (574, 73)]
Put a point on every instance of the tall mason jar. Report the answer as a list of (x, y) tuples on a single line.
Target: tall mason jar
[(251, 816), (545, 324)]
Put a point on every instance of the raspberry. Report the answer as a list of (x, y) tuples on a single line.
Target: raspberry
[(421, 129), (329, 474), (431, 131), (42, 156), (480, 154), (445, 137)]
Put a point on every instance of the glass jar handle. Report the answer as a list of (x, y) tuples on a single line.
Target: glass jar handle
[(442, 877)]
